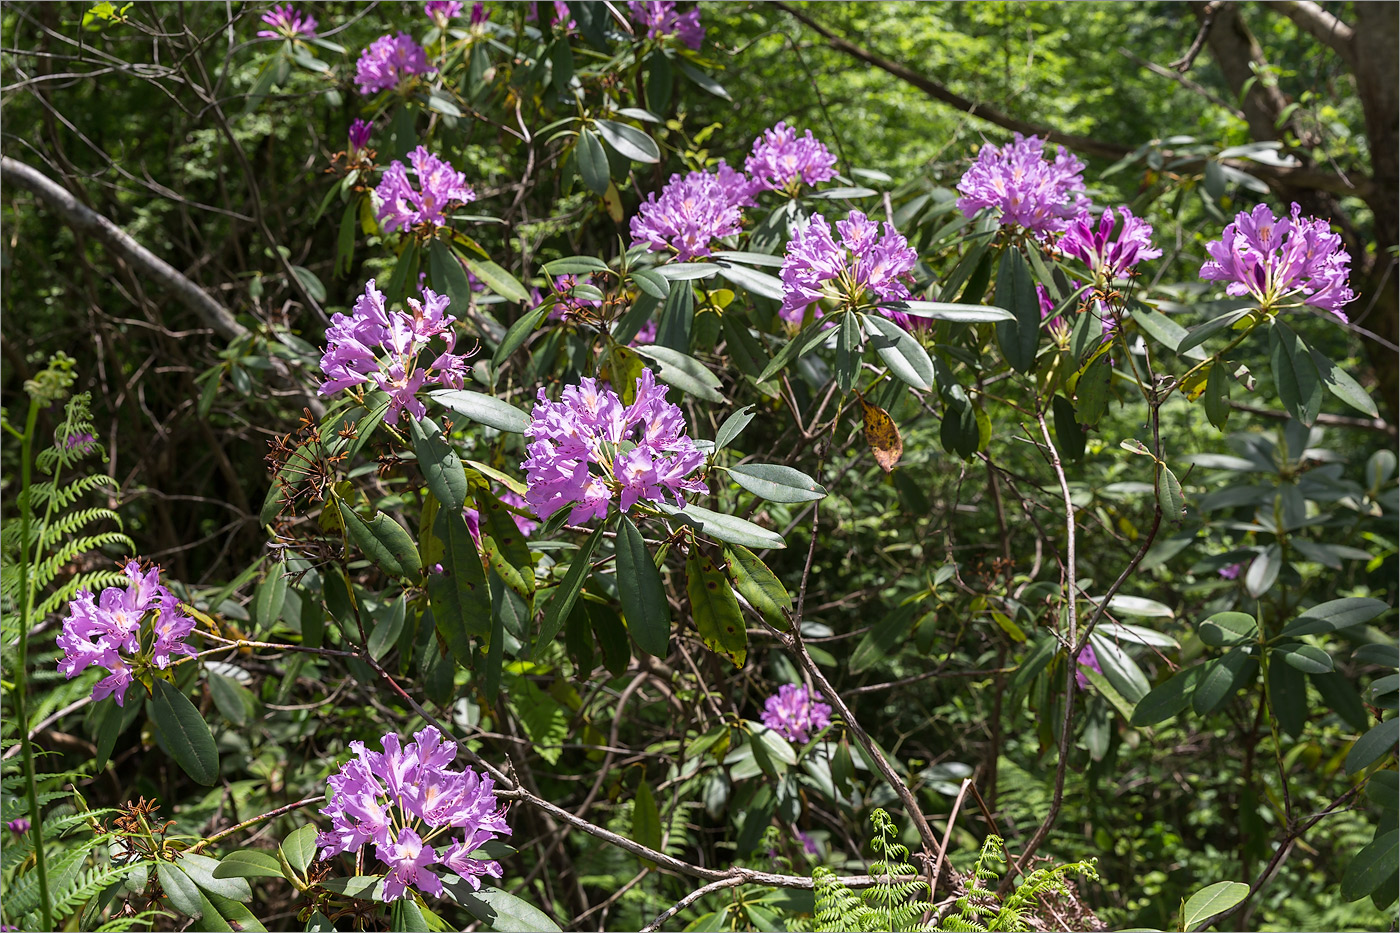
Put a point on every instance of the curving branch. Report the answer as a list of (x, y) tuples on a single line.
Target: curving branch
[(1321, 25), (83, 218)]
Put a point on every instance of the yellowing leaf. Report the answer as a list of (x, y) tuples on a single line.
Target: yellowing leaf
[(881, 434)]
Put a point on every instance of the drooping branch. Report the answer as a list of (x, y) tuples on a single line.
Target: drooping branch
[(1321, 25), (81, 217)]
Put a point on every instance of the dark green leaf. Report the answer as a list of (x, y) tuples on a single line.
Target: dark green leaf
[(684, 372), (248, 863), (592, 162), (497, 279), (1227, 628), (727, 528), (202, 870), (629, 141), (502, 912), (269, 598), (1092, 393), (228, 698), (757, 584), (483, 409), (757, 283), (1376, 864), (1306, 658), (1371, 747), (1263, 571), (575, 265), (185, 732), (702, 80), (387, 629), (1120, 669), (1203, 332), (733, 426), (1217, 395), (905, 356), (1340, 383), (1221, 679), (660, 81), (459, 595), (405, 269), (299, 848), (1068, 431), (1295, 373), (566, 594), (955, 312), (184, 895), (876, 644), (1015, 291), (1334, 615), (714, 608), (440, 463), (641, 592), (677, 319), (1339, 695), (777, 483), (383, 541), (1288, 697), (657, 286), (1168, 698), (646, 819)]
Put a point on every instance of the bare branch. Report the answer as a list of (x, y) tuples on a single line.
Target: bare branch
[(1321, 25)]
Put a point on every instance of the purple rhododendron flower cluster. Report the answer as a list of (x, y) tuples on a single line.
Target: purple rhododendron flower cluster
[(588, 448), (441, 12), (402, 799), (660, 19), (692, 212), (108, 631), (1029, 191), (373, 345), (388, 61), (440, 187), (1088, 659), (865, 261), (1108, 256), (1278, 258), (287, 22), (781, 159), (792, 713)]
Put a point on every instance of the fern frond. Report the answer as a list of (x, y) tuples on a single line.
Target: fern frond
[(70, 523), (62, 497), (48, 569)]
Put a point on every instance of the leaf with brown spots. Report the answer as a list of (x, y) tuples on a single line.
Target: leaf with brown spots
[(881, 434), (506, 550), (714, 608)]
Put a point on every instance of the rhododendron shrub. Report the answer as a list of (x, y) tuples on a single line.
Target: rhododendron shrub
[(655, 487)]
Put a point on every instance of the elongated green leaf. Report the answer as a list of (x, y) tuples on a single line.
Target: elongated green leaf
[(952, 311), (201, 870), (905, 356), (777, 483), (383, 541), (269, 597), (758, 283), (299, 848), (1334, 615), (657, 286), (732, 426), (757, 584), (228, 698), (185, 732), (448, 276), (502, 912), (1288, 697), (677, 319), (684, 372), (497, 279), (364, 887), (1340, 696), (1340, 383), (1203, 332), (1370, 748), (686, 271), (459, 595), (876, 644), (646, 819), (726, 528), (1295, 373), (702, 80), (1227, 628), (483, 409), (1120, 669), (1217, 395), (440, 463), (1375, 865), (248, 863), (1068, 431), (566, 594), (518, 333), (575, 265), (641, 592), (1168, 698), (628, 141), (810, 337), (506, 549), (592, 162), (1220, 680), (716, 611), (1211, 900), (1015, 291), (1307, 658), (183, 893)]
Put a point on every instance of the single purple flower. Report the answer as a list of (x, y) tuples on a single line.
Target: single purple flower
[(794, 714), (442, 12), (287, 23), (559, 14), (693, 211), (589, 448), (1281, 261), (358, 137), (388, 61), (402, 799), (479, 13), (19, 826), (660, 19), (1230, 572), (1027, 190), (1088, 659), (107, 631), (866, 267), (781, 161), (809, 845), (399, 205), (374, 346), (1109, 257)]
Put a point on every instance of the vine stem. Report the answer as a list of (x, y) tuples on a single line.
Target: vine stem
[(21, 686), (253, 821), (689, 899)]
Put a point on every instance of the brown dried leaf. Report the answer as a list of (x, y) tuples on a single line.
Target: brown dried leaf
[(881, 434)]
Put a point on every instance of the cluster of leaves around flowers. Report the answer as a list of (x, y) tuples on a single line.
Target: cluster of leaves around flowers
[(356, 592)]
